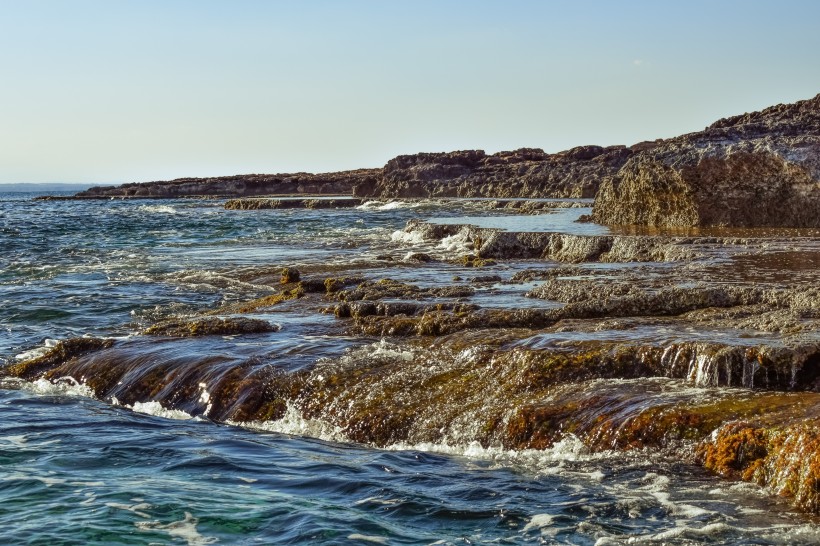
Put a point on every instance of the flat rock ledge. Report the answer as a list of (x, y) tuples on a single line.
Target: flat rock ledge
[(255, 203), (498, 244)]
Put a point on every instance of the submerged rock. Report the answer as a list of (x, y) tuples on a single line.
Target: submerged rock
[(211, 326), (64, 351), (289, 275)]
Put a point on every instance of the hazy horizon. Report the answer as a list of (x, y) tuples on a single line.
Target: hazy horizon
[(26, 187), (108, 93)]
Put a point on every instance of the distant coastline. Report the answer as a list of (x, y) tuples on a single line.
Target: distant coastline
[(757, 169)]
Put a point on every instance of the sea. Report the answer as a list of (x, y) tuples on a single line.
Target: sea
[(76, 469)]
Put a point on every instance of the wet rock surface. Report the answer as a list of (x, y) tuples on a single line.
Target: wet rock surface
[(705, 345), (257, 203), (210, 326)]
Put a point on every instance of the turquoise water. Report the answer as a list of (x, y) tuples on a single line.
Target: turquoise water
[(77, 470)]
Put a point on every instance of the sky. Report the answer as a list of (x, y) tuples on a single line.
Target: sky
[(115, 91)]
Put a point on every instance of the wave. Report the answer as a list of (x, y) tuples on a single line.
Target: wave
[(294, 424), (158, 209), (47, 345), (412, 238), (155, 409), (390, 205)]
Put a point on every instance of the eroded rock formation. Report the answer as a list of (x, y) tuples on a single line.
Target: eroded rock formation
[(758, 169), (527, 172)]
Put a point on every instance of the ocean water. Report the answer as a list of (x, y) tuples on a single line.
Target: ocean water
[(75, 469)]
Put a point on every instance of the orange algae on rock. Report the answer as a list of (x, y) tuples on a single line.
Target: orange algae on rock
[(784, 459)]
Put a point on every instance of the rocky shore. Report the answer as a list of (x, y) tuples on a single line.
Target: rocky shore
[(755, 169), (692, 333), (703, 348)]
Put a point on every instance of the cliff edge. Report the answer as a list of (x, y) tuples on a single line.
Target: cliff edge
[(755, 169)]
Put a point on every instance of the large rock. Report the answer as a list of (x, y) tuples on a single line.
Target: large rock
[(758, 169)]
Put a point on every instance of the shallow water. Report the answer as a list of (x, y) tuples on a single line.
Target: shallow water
[(562, 220), (76, 470)]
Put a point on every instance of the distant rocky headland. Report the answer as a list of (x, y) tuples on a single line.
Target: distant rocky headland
[(755, 169)]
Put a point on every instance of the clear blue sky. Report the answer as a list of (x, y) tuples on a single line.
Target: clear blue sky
[(119, 90)]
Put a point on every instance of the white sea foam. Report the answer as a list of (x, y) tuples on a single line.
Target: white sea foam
[(158, 209), (155, 408), (389, 205), (37, 351), (460, 242), (568, 449), (367, 538), (686, 531), (184, 529), (65, 386), (205, 398), (294, 424), (411, 238), (539, 521), (204, 280), (386, 349)]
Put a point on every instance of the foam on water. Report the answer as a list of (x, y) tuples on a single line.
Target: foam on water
[(569, 449), (63, 386), (367, 538), (389, 205), (412, 238), (460, 242), (209, 281), (158, 209), (185, 529), (48, 344), (156, 409), (293, 424)]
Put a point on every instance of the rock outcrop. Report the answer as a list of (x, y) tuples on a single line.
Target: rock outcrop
[(758, 169), (527, 172), (339, 183)]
